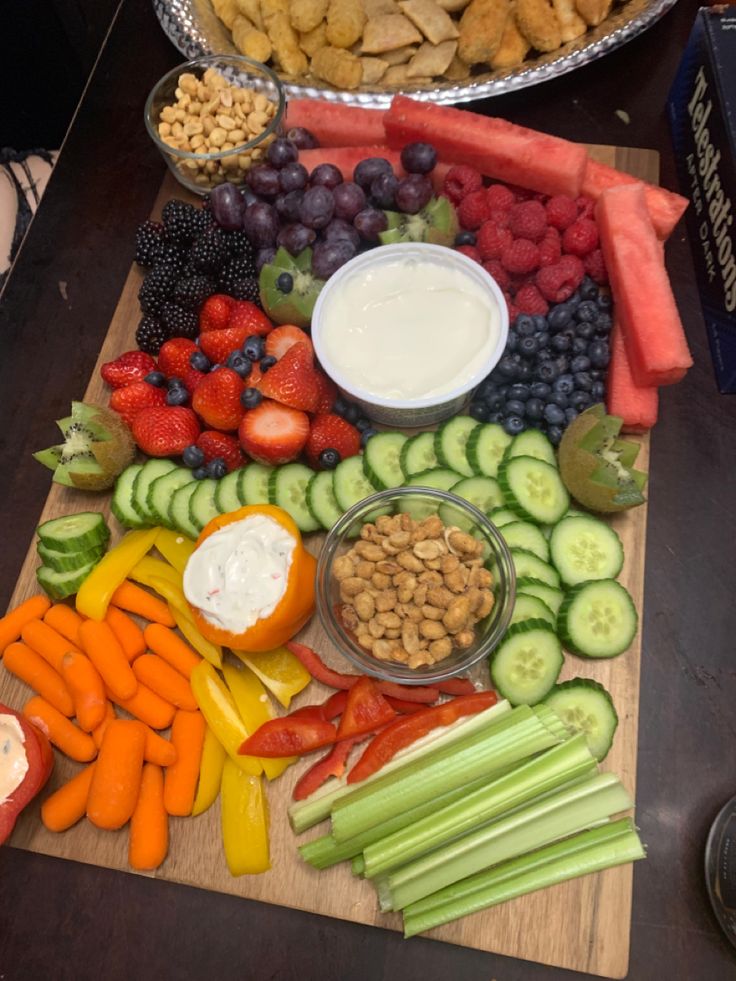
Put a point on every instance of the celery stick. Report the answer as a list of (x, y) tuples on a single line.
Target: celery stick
[(539, 823), (357, 865), (514, 737), (305, 814), (616, 843), (545, 772)]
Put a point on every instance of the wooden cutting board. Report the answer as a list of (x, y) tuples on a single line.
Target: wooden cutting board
[(581, 925)]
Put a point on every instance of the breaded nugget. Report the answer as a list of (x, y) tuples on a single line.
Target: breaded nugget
[(593, 11), (481, 30), (373, 69), (374, 8), (345, 20), (311, 41), (398, 75), (250, 41), (285, 42), (513, 47), (227, 11), (252, 10), (305, 15), (538, 22), (431, 59), (389, 32), (457, 70), (400, 56), (338, 67), (572, 24), (434, 22)]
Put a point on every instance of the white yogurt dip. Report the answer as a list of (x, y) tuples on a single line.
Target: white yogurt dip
[(13, 758), (409, 328), (239, 574)]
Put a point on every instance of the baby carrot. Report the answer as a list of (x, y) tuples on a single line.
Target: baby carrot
[(68, 804), (47, 642), (149, 826), (99, 733), (88, 692), (153, 671), (171, 648), (158, 750), (60, 731), (132, 598), (113, 792), (101, 647), (147, 706), (30, 667), (129, 634), (180, 784), (13, 622), (65, 620)]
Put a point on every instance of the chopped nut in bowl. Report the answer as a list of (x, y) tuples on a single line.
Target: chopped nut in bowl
[(213, 119), (415, 585)]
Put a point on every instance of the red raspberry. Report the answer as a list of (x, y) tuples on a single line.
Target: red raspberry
[(473, 210), (521, 257), (528, 220), (470, 251), (581, 237), (499, 197), (512, 308), (529, 300), (558, 282), (595, 267), (550, 248), (492, 240), (494, 268), (461, 181), (521, 193), (561, 211), (585, 206), (499, 217)]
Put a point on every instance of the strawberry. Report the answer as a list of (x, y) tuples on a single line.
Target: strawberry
[(215, 313), (246, 314), (327, 392), (131, 399), (217, 344), (191, 379), (214, 444), (165, 430), (330, 431), (291, 380), (473, 210), (173, 358), (528, 219), (499, 197), (521, 257), (273, 433), (581, 237), (133, 366), (460, 181), (217, 399), (282, 338)]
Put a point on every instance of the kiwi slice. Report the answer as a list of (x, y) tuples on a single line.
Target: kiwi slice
[(97, 447), (435, 223), (289, 299), (597, 467)]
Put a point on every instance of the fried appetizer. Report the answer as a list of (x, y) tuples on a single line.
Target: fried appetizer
[(389, 32), (481, 30), (250, 41), (593, 11), (311, 41), (338, 67), (513, 47), (345, 21), (572, 24), (431, 59), (305, 15), (538, 22), (227, 11), (434, 22)]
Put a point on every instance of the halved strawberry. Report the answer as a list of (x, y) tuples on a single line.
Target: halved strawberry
[(215, 312), (291, 380), (214, 444), (191, 379), (273, 433), (173, 358), (330, 431), (129, 400), (217, 399), (246, 314), (217, 344), (326, 392), (130, 367), (165, 430), (282, 338)]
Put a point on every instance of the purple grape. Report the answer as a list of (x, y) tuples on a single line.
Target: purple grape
[(413, 193), (325, 175), (264, 256), (264, 181), (383, 190), (227, 207), (317, 206), (418, 158), (369, 222), (327, 257), (341, 229), (295, 238), (367, 171), (261, 224), (302, 138), (349, 200), (287, 205), (282, 152), (247, 195), (293, 177)]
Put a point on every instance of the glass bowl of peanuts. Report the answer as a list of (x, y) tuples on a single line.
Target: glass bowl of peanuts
[(415, 585), (213, 119)]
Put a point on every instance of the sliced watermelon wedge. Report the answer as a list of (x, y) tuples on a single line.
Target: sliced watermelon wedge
[(336, 125), (497, 148), (665, 207), (655, 340), (637, 406)]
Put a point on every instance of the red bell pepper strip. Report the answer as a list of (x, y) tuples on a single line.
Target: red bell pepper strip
[(365, 711), (316, 712), (335, 705), (331, 765), (289, 736), (404, 707), (455, 686), (410, 693), (40, 759), (403, 732)]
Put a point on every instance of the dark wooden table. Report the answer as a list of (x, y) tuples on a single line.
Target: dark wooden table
[(59, 920)]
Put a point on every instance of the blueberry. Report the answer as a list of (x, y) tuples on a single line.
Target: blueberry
[(520, 392), (268, 362), (339, 405), (583, 381), (516, 357), (515, 408), (216, 468), (547, 371), (604, 323), (580, 363), (588, 289), (560, 343), (366, 435), (174, 382), (239, 363), (199, 361), (598, 354), (564, 384), (496, 417), (586, 404), (254, 347), (534, 409), (479, 411), (562, 363), (524, 325), (574, 300), (528, 346), (578, 399), (524, 373), (352, 413), (177, 396), (329, 458), (540, 390), (598, 391), (586, 330), (560, 399), (513, 425), (597, 375), (487, 389), (540, 322), (542, 339), (362, 424), (155, 378), (570, 414), (587, 311), (503, 391), (192, 456), (559, 316), (544, 355), (554, 434), (495, 402), (200, 473), (465, 238), (507, 368), (554, 414), (604, 301), (285, 283), (579, 346), (512, 341), (250, 398)]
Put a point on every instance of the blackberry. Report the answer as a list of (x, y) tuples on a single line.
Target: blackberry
[(173, 257), (182, 221), (234, 271), (209, 250), (155, 288), (179, 322), (149, 242), (247, 289), (238, 244), (150, 335), (190, 293)]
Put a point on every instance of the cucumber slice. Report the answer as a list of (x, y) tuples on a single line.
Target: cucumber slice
[(531, 608), (527, 564), (74, 532), (226, 492), (549, 595), (532, 443), (533, 489), (439, 478), (162, 490), (584, 705), (527, 663), (483, 492), (253, 487), (381, 460), (121, 504), (597, 619), (202, 507), (417, 454), (350, 484), (179, 517), (502, 517), (68, 561), (287, 488), (584, 548), (523, 534), (321, 499), (485, 448), (152, 470), (450, 441), (59, 585)]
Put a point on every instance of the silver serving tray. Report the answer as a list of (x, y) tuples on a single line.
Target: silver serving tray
[(193, 27)]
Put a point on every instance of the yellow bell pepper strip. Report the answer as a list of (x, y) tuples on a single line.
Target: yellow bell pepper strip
[(210, 773), (97, 589), (175, 548), (282, 673), (217, 706), (210, 652), (255, 708), (294, 608), (244, 811), (149, 569)]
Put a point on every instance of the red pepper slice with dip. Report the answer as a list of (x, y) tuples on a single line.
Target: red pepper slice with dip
[(26, 762)]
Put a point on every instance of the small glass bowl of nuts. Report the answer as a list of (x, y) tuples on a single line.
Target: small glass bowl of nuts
[(213, 119), (415, 585)]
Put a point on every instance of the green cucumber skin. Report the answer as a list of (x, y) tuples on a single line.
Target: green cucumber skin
[(421, 443), (121, 503), (74, 532), (565, 631), (587, 687), (512, 502), (474, 448), (151, 471), (279, 490), (379, 472), (449, 456), (323, 509), (518, 629)]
